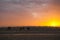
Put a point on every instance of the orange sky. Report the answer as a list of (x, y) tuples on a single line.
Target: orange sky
[(29, 13)]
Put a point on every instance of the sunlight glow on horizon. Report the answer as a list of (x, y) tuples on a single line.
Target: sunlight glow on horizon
[(54, 23)]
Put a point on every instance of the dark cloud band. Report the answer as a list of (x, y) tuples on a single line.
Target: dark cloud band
[(24, 4)]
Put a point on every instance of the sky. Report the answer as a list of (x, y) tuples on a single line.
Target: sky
[(29, 12)]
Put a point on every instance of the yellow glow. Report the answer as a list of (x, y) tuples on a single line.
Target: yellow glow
[(54, 23)]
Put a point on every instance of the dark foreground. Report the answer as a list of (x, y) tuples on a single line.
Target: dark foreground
[(29, 33)]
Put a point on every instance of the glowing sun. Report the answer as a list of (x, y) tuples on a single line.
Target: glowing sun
[(54, 23)]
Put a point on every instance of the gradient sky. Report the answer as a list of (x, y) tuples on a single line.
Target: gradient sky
[(29, 12)]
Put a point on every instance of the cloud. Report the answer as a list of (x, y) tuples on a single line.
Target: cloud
[(25, 5), (57, 2), (18, 5)]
